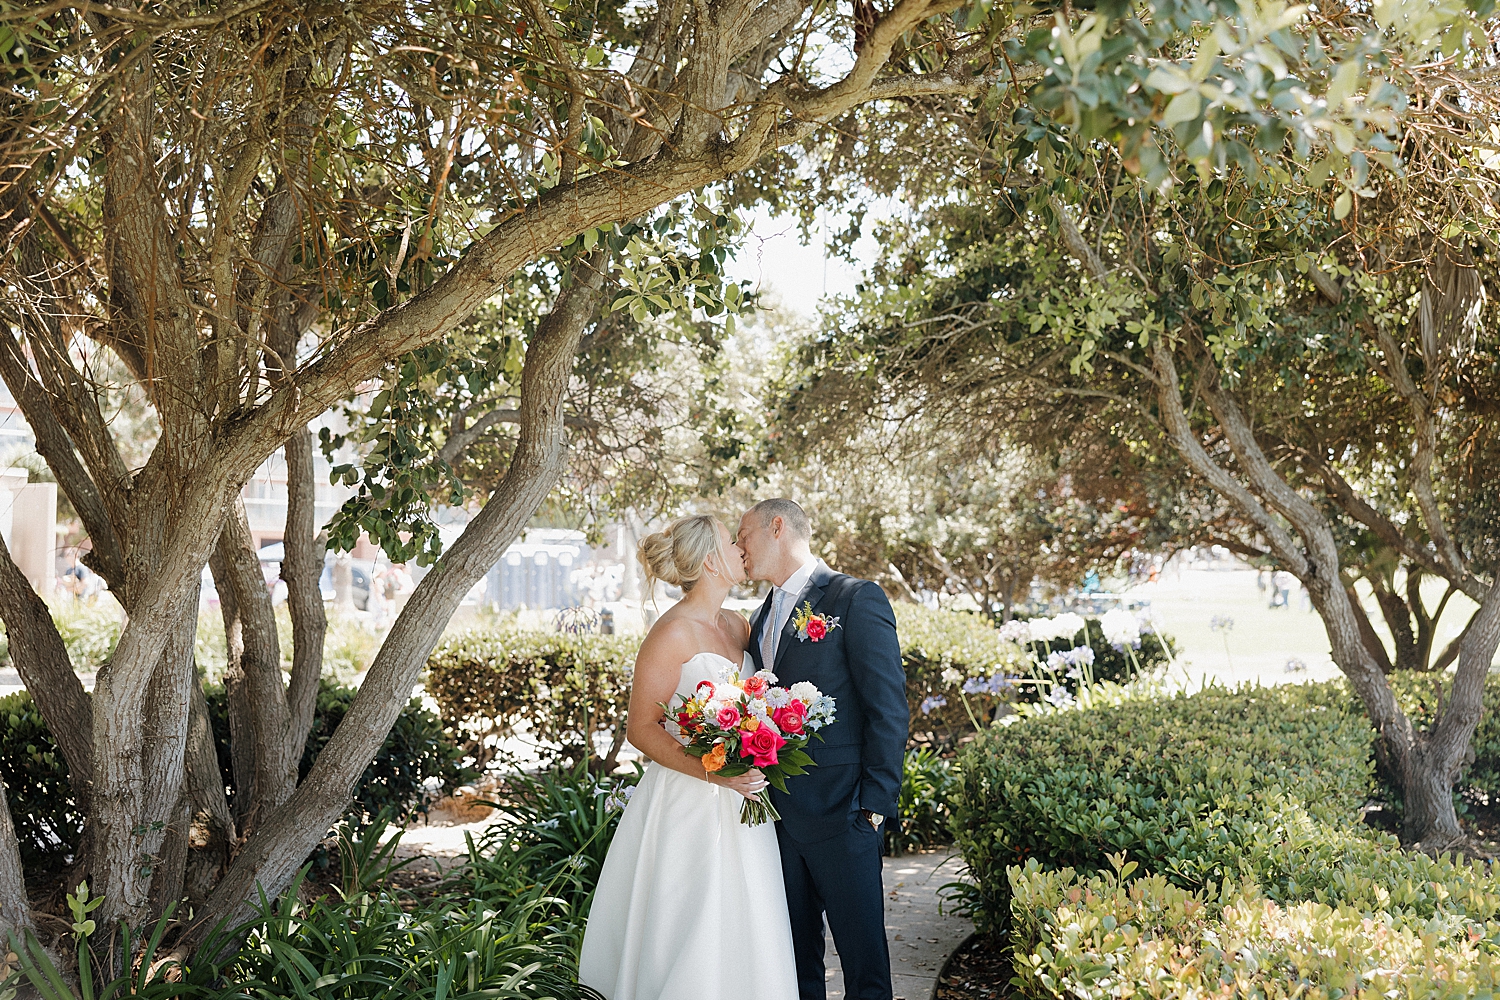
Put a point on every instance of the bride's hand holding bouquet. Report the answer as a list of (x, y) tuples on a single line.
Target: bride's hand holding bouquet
[(734, 726)]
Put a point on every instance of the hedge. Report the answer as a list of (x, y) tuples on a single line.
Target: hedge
[(1168, 782), (1238, 814), (1108, 936), (49, 826), (556, 690), (971, 652)]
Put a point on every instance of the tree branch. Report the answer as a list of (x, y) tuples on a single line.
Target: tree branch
[(276, 849)]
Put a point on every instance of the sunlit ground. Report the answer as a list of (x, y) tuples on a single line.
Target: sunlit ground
[(1262, 641)]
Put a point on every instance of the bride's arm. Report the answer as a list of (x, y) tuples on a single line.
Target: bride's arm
[(657, 669)]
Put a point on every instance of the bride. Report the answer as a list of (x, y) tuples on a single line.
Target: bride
[(690, 904)]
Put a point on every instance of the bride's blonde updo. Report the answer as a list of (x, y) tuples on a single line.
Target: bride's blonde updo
[(676, 556)]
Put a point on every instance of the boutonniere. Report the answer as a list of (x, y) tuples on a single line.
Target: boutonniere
[(811, 625)]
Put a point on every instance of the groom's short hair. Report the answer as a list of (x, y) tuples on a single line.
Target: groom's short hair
[(791, 513)]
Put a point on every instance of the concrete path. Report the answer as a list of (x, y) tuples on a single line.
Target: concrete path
[(921, 938)]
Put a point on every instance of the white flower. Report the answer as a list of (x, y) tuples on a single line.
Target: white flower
[(952, 676), (1120, 627), (1067, 625), (1017, 631), (778, 697), (711, 709), (766, 676), (757, 708), (806, 692), (729, 693)]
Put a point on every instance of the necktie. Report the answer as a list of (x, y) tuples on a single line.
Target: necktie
[(771, 630)]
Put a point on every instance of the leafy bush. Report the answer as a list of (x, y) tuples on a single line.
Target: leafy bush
[(1169, 782), (89, 628), (1241, 811), (1109, 936), (48, 824), (558, 827), (504, 935), (557, 690), (945, 652), (416, 764), (927, 785)]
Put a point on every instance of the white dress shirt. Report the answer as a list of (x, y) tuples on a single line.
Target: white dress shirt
[(783, 604)]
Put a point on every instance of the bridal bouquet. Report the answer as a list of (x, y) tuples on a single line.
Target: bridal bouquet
[(734, 725)]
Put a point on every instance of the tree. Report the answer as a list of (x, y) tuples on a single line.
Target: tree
[(1324, 371), (256, 209)]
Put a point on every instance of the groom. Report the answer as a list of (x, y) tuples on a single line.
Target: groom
[(830, 829)]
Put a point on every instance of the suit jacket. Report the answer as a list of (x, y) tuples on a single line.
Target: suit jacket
[(858, 664)]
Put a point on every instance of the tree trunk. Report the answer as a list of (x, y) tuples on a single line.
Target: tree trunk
[(15, 909), (41, 659), (236, 694), (274, 852), (211, 833), (1434, 764), (302, 568), (260, 664)]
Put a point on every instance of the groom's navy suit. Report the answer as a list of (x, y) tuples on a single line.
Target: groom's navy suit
[(830, 855)]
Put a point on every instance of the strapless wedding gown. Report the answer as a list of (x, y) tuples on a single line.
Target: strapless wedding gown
[(690, 904)]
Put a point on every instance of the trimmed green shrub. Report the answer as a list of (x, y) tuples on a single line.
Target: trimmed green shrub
[(48, 824), (1110, 936), (1172, 783), (927, 784), (556, 690)]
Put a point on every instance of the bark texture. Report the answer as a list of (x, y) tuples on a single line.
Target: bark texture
[(273, 853), (15, 909)]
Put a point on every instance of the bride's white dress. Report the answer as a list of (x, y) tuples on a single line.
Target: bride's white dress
[(690, 905)]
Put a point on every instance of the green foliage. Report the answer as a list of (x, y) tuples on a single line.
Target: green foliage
[(556, 690), (940, 651), (928, 782), (415, 765), (1177, 784), (1157, 845), (506, 924), (48, 824), (89, 629), (558, 828), (414, 755), (1108, 935)]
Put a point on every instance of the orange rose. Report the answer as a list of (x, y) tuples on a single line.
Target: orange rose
[(749, 724), (714, 759)]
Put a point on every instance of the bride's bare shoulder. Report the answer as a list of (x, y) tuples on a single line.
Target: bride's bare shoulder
[(670, 637)]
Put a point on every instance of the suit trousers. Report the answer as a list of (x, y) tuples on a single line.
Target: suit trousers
[(839, 876)]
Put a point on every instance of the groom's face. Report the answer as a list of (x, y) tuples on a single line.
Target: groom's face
[(758, 542)]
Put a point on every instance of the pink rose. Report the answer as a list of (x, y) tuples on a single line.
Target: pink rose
[(728, 717), (816, 629), (761, 745), (790, 718)]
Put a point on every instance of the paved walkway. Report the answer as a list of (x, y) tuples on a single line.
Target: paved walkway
[(920, 937)]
